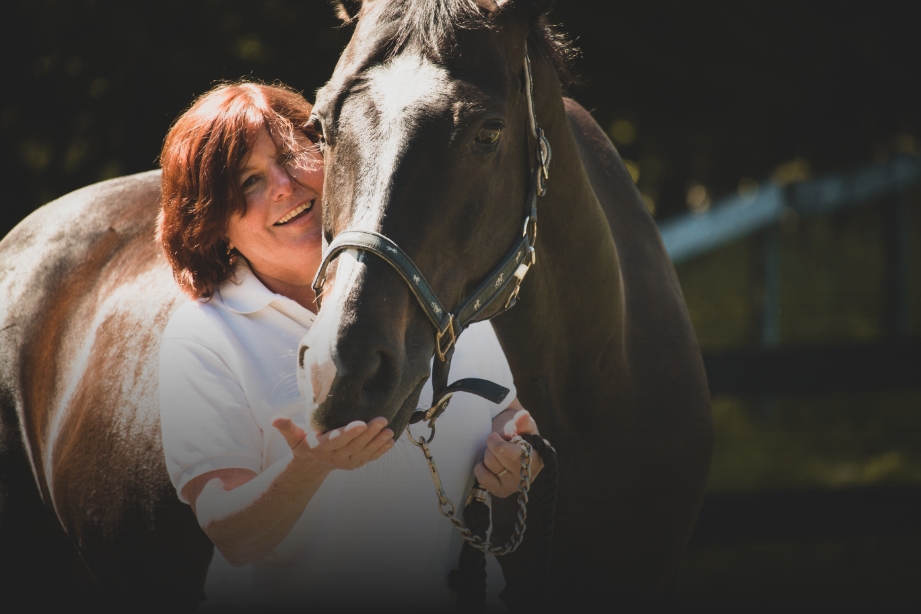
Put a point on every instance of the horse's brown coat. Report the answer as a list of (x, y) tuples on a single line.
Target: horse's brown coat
[(86, 295)]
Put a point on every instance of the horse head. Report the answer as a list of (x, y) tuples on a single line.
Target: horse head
[(425, 133)]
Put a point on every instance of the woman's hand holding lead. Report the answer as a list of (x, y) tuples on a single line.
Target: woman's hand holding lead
[(500, 470), (347, 447)]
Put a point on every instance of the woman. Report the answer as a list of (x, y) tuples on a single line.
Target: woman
[(241, 227)]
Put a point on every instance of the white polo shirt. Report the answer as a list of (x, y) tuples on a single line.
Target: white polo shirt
[(372, 537)]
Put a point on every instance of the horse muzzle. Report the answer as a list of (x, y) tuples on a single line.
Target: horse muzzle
[(353, 364)]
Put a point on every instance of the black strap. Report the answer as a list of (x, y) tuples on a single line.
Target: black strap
[(476, 304), (391, 253), (482, 388)]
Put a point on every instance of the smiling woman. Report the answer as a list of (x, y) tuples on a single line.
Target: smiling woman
[(241, 225), (279, 232), (262, 133)]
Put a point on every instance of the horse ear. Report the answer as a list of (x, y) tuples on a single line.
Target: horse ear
[(532, 9), (347, 10)]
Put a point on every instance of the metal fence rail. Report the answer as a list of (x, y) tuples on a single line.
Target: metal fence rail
[(690, 235), (892, 363)]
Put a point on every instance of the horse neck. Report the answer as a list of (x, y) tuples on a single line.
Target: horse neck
[(571, 307), (568, 324)]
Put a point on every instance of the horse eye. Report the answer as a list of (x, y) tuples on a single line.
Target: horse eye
[(315, 130), (488, 135)]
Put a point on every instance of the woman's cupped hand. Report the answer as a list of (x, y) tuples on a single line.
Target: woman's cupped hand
[(347, 447)]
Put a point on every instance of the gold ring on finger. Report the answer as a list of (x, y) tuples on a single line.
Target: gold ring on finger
[(501, 473)]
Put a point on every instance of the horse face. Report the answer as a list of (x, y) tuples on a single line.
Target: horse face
[(432, 154)]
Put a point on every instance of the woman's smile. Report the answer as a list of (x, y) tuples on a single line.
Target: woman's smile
[(279, 233), (296, 213)]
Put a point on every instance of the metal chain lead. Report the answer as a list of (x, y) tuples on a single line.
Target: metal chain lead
[(448, 510)]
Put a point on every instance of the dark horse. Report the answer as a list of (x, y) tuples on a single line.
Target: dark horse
[(427, 143)]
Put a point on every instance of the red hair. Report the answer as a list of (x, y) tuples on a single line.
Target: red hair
[(198, 188)]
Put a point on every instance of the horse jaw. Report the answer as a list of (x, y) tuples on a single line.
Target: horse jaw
[(316, 365)]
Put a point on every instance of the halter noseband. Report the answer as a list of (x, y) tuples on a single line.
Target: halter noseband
[(450, 324)]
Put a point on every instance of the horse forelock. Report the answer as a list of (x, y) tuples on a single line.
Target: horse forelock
[(432, 28)]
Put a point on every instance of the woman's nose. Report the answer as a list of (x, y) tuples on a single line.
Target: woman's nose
[(282, 183)]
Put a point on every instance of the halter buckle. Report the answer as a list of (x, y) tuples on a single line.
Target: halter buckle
[(441, 350), (513, 297)]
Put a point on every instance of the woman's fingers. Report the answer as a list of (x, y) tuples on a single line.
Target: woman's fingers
[(521, 424), (293, 434), (339, 438), (503, 455), (507, 454), (347, 447), (492, 463), (370, 450), (383, 449), (358, 443), (488, 480), (385, 437)]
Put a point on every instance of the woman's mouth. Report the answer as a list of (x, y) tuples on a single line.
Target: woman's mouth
[(296, 213)]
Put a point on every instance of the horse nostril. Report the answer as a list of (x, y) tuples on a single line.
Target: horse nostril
[(300, 357), (381, 378)]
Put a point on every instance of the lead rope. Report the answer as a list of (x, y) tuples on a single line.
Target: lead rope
[(449, 511)]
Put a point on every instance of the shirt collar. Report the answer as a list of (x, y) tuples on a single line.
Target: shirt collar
[(243, 292)]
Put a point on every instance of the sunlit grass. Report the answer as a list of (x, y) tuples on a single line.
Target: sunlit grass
[(824, 441)]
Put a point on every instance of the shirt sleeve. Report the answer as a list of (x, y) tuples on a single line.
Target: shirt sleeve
[(481, 356), (205, 417)]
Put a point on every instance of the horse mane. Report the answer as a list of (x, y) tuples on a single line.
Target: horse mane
[(432, 27)]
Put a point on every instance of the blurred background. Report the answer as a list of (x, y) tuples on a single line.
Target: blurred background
[(776, 143)]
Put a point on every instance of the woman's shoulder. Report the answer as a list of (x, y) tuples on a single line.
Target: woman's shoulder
[(197, 319)]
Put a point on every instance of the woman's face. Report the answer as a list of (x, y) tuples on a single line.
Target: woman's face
[(280, 232)]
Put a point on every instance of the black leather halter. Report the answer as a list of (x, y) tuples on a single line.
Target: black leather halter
[(481, 304)]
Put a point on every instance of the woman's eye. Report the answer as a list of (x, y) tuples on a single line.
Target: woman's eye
[(249, 182), (488, 135)]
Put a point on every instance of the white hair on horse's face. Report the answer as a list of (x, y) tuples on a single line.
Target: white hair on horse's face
[(317, 369), (399, 92), (398, 89)]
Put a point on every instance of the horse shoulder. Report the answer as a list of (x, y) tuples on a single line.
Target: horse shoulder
[(661, 343), (89, 294), (668, 435)]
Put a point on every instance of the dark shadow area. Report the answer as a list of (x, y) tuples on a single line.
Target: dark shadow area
[(851, 549)]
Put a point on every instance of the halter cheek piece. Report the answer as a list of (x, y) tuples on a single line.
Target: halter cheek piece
[(481, 304)]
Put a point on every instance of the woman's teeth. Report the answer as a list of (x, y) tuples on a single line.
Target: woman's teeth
[(305, 207)]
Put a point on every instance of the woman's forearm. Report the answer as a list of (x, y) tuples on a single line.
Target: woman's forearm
[(246, 515), (247, 522)]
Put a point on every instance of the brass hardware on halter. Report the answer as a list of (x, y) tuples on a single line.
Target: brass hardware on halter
[(440, 350)]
